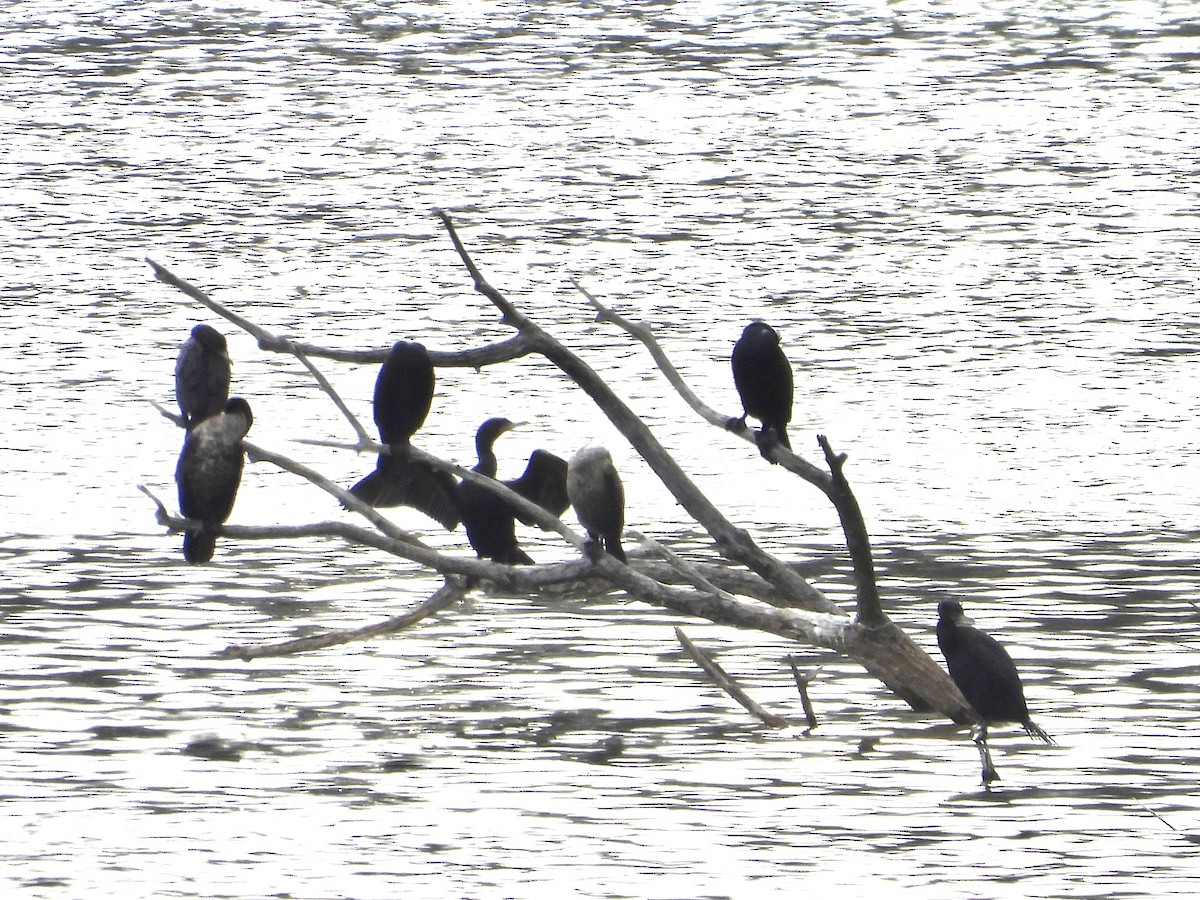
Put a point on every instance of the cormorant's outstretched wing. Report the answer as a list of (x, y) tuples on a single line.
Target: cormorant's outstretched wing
[(398, 481), (543, 482)]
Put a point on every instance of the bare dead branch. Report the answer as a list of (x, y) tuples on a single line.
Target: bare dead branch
[(760, 599), (802, 683), (364, 439), (732, 542), (449, 593), (476, 358), (161, 514), (642, 332), (858, 543), (690, 573), (727, 684)]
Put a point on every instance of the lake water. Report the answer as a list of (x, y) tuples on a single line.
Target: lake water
[(973, 225)]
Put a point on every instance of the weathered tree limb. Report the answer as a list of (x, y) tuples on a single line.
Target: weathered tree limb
[(779, 454), (727, 684), (870, 609), (451, 592), (475, 358), (733, 543), (802, 682), (881, 647)]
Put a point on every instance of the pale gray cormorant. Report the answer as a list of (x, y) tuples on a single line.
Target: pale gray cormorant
[(598, 497), (208, 475)]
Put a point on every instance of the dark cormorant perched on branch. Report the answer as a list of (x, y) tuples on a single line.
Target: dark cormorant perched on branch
[(488, 519), (202, 375), (763, 378), (403, 395), (208, 475), (599, 499), (986, 675)]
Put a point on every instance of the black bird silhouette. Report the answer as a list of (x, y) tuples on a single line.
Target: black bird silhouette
[(986, 675), (489, 520), (763, 378), (543, 482), (202, 375), (403, 395), (209, 473), (595, 490)]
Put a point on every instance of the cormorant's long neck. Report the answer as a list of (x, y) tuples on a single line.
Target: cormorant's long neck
[(487, 456)]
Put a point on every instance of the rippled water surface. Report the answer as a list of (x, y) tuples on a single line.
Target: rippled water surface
[(973, 225)]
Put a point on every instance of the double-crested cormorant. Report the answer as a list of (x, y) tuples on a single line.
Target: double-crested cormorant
[(487, 518), (763, 378), (598, 497), (489, 521), (403, 395), (208, 475), (202, 375), (985, 674)]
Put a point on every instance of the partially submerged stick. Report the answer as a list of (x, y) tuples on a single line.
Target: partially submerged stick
[(451, 592), (727, 684)]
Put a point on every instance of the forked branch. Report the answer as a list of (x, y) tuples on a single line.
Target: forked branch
[(786, 604)]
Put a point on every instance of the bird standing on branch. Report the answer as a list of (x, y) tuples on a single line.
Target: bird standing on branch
[(987, 677), (403, 395), (599, 499), (208, 475), (202, 375), (489, 519), (763, 378)]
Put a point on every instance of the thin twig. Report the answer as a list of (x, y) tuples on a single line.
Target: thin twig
[(364, 439), (727, 684), (689, 572)]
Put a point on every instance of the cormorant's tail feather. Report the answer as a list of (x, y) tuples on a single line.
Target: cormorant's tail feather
[(199, 546), (369, 489), (515, 557), (1035, 731), (613, 547)]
